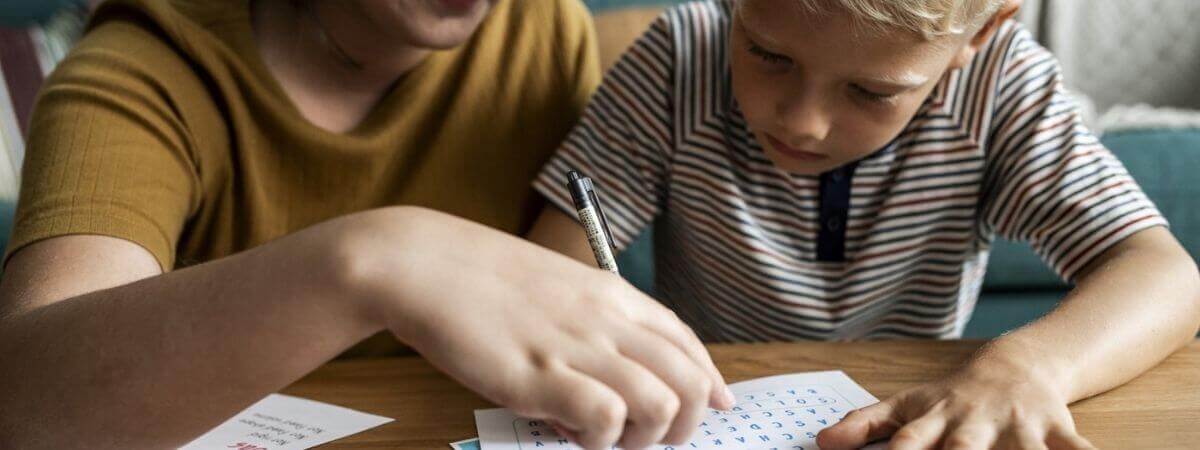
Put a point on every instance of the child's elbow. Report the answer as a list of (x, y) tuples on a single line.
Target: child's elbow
[(1193, 288), (1187, 277), (1183, 278)]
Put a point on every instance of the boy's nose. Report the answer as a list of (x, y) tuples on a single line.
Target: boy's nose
[(804, 119)]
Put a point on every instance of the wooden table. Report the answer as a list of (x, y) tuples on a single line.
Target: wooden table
[(1159, 410)]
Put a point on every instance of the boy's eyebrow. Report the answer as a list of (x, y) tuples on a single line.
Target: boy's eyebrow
[(752, 34), (902, 81)]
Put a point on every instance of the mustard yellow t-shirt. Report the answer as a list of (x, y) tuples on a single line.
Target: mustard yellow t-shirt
[(163, 127)]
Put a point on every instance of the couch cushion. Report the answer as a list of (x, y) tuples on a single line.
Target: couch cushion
[(1166, 163), (999, 312), (636, 262), (605, 5), (22, 13)]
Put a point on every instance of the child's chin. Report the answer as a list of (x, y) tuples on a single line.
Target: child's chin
[(801, 167)]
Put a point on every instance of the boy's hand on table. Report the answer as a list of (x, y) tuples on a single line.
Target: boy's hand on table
[(985, 405), (537, 332)]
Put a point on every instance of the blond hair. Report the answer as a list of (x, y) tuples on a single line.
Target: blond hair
[(926, 18)]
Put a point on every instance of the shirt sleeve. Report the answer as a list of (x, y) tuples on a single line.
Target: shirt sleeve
[(107, 152), (624, 140), (1048, 180)]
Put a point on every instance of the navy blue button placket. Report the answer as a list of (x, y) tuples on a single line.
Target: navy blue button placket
[(835, 207)]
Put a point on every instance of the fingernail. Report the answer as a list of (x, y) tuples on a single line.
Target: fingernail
[(730, 399)]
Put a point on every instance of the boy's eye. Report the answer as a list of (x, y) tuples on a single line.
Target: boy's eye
[(870, 95), (771, 58)]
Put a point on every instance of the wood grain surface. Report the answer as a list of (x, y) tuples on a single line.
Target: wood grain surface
[(1159, 410)]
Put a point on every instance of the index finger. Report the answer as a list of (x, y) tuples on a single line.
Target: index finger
[(662, 321)]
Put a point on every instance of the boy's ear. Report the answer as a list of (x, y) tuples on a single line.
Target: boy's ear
[(981, 37)]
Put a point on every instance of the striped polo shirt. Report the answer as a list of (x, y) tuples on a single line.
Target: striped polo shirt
[(893, 245)]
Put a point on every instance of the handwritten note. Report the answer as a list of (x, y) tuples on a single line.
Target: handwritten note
[(774, 413), (281, 422)]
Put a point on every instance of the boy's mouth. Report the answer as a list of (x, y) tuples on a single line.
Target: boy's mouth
[(793, 152)]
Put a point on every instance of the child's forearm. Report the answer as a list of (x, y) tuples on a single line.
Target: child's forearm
[(557, 231), (1132, 307)]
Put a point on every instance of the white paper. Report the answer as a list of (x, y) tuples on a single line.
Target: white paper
[(779, 412), (282, 422)]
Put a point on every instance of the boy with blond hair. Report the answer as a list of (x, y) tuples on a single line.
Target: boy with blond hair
[(837, 169)]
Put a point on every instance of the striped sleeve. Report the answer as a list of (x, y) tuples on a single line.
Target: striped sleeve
[(1048, 180), (624, 139)]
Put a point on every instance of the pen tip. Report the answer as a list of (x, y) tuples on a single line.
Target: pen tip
[(572, 175)]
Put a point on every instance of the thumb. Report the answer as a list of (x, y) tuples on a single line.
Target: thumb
[(861, 427)]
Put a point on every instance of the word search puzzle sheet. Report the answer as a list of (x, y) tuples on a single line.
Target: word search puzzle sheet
[(783, 412)]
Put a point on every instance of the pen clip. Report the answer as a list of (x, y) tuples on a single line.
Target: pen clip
[(591, 191)]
